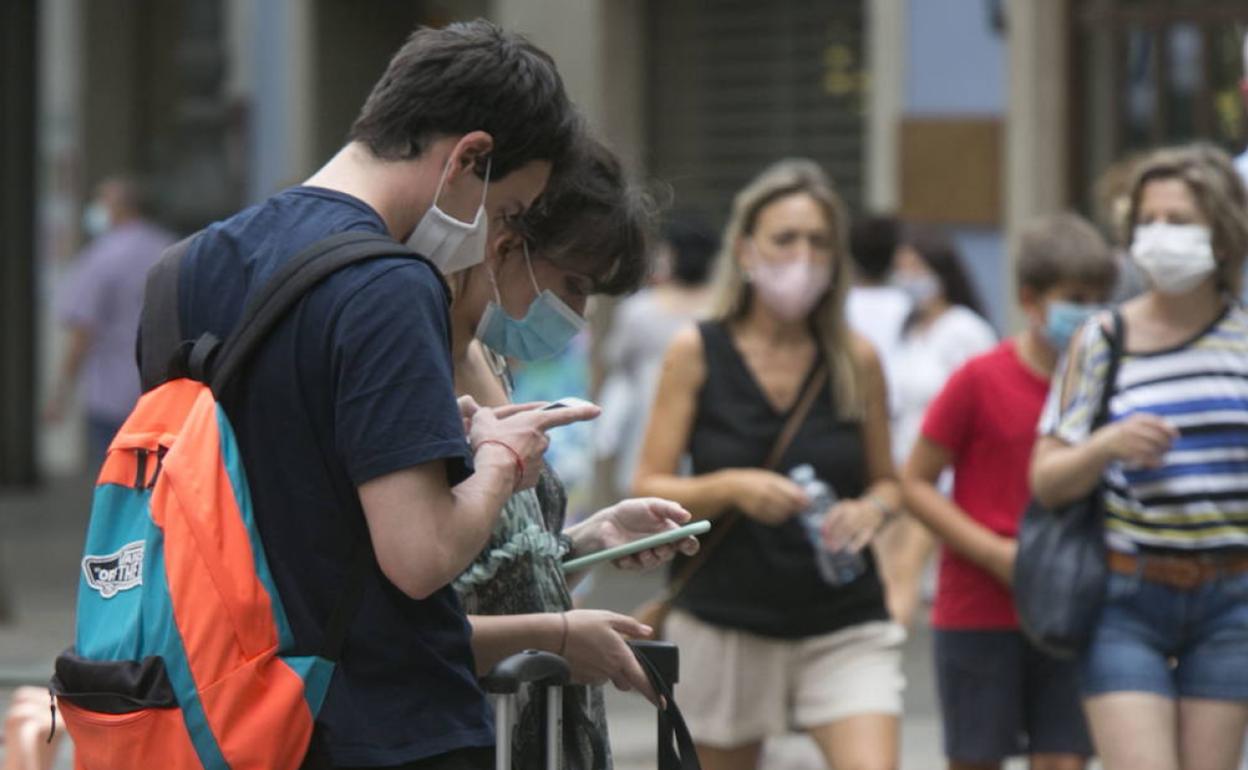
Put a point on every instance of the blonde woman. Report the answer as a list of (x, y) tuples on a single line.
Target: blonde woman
[(768, 642), (1165, 678)]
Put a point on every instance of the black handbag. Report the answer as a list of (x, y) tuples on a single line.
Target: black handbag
[(1060, 570)]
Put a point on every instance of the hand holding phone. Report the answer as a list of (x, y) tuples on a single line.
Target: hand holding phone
[(636, 546)]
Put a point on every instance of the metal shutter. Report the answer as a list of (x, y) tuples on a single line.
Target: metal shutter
[(734, 85)]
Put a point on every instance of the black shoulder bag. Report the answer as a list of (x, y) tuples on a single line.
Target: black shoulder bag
[(1060, 571)]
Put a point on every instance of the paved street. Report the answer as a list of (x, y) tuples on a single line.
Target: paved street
[(40, 540)]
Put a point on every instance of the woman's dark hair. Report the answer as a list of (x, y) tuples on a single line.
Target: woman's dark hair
[(591, 220), (694, 245), (469, 76), (939, 253), (872, 244)]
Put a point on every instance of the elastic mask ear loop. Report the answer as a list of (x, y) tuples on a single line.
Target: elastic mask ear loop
[(489, 162), (528, 262)]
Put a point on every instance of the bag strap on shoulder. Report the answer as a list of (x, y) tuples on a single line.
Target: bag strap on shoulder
[(791, 426), (1116, 338), (160, 327), (284, 290)]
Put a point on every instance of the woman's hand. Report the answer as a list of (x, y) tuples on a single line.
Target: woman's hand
[(597, 650), (851, 524), (1140, 440), (766, 496), (630, 520)]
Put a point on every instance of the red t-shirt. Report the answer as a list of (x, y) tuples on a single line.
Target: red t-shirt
[(986, 418)]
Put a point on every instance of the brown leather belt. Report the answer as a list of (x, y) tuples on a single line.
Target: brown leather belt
[(1180, 571)]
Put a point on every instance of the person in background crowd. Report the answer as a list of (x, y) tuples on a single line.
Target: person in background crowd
[(347, 419), (587, 235), (875, 307), (100, 312), (1165, 678), (999, 695), (643, 326), (776, 643), (944, 330)]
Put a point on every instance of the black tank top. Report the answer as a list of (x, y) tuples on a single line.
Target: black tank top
[(762, 578)]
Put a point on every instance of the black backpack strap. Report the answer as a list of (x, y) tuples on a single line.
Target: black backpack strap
[(284, 290), (159, 339), (676, 748)]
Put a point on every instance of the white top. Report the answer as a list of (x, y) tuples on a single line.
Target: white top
[(925, 360), (1241, 165), (878, 313)]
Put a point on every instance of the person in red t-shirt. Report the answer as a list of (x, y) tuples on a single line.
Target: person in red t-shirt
[(1000, 696)]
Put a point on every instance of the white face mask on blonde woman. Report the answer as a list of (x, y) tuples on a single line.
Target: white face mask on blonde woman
[(790, 288)]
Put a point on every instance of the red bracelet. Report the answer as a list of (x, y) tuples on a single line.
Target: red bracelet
[(514, 454)]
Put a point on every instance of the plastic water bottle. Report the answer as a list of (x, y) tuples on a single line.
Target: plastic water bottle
[(837, 567)]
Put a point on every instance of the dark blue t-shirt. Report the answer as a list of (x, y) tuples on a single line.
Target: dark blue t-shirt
[(355, 383)]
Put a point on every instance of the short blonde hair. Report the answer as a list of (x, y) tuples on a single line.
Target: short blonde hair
[(1210, 176), (732, 295)]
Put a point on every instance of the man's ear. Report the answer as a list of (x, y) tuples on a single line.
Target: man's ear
[(469, 153)]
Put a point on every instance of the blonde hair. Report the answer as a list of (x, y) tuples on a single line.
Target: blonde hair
[(731, 293), (1210, 176)]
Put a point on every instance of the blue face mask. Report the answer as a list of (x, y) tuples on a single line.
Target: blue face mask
[(546, 329), (1062, 320)]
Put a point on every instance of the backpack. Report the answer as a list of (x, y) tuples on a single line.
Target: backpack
[(182, 653)]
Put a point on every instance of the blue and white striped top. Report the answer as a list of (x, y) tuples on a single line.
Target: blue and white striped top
[(1198, 498)]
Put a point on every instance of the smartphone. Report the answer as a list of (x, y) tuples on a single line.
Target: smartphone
[(565, 402), (641, 544)]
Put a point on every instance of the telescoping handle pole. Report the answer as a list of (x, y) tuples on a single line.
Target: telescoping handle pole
[(533, 668)]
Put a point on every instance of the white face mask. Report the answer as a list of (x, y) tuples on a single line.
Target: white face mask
[(1175, 257), (448, 243)]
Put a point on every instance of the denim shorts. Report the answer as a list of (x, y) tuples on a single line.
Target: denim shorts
[(1176, 643), (1001, 697)]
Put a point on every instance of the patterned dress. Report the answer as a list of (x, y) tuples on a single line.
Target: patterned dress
[(518, 573)]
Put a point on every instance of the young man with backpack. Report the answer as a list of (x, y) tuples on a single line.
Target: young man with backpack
[(345, 418)]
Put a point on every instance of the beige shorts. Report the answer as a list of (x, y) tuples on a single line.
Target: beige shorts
[(737, 688)]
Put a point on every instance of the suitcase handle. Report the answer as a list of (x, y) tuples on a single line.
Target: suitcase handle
[(528, 667)]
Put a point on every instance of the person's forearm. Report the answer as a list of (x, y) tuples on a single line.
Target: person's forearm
[(950, 523), (886, 493), (476, 503), (706, 496), (1061, 474), (497, 637)]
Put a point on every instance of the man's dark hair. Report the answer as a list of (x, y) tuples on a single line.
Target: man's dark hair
[(591, 220), (872, 242), (469, 76), (694, 246)]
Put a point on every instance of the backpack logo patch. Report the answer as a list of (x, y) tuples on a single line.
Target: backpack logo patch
[(115, 572)]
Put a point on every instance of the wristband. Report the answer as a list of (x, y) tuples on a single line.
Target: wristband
[(563, 641), (888, 513), (515, 455)]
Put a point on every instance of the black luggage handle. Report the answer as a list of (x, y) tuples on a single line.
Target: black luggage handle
[(661, 662), (528, 667)]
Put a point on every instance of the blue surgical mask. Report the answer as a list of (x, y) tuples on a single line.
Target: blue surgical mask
[(95, 219), (1062, 320), (546, 329)]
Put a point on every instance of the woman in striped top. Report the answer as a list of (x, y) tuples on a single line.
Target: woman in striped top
[(1165, 678)]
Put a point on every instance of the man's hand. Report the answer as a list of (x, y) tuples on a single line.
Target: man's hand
[(521, 429), (631, 520)]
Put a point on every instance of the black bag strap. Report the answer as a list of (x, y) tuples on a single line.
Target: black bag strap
[(679, 753), (1116, 339), (160, 328), (287, 286)]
